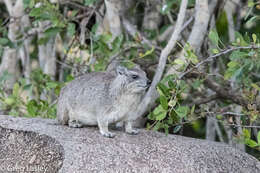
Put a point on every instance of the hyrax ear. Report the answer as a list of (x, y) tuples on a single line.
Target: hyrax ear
[(120, 70)]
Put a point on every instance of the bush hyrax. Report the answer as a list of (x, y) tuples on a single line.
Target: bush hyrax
[(102, 98)]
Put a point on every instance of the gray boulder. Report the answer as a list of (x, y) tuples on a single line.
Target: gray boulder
[(40, 145)]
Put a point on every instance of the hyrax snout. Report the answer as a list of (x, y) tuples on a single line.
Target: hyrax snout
[(102, 98)]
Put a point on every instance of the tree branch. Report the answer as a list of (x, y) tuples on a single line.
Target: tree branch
[(211, 58), (9, 6), (224, 92), (151, 95)]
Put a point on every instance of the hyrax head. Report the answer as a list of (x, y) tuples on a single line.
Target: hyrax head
[(135, 80)]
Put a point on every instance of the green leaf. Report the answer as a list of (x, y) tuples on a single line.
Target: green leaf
[(117, 43), (26, 3), (157, 126), (237, 54), (197, 83), (94, 28), (51, 85), (252, 20), (254, 38), (162, 89), (246, 133), (73, 13), (171, 84), (172, 103), (258, 138), (16, 90), (69, 78), (255, 86), (50, 32), (27, 87), (166, 129), (106, 37), (3, 41), (32, 3), (35, 12), (232, 64), (9, 100), (71, 29), (5, 76), (182, 111), (151, 116), (149, 52), (176, 129), (13, 112), (164, 102), (215, 51), (251, 143), (250, 4), (219, 117), (240, 39), (43, 40), (214, 38), (160, 113), (238, 73), (89, 2), (32, 108), (179, 61), (158, 109)]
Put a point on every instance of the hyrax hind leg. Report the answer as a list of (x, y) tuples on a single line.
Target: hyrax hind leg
[(73, 122)]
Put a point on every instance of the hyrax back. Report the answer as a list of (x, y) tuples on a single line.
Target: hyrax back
[(102, 98)]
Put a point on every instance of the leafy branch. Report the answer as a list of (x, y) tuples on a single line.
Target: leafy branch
[(213, 57)]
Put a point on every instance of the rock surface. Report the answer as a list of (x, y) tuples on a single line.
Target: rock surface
[(85, 150)]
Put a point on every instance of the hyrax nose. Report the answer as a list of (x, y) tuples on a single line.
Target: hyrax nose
[(149, 82)]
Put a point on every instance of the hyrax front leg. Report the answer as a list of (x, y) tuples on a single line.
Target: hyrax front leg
[(103, 128), (129, 128)]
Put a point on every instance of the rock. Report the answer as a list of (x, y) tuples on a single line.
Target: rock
[(53, 147)]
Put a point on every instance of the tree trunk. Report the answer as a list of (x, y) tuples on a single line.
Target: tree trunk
[(10, 55)]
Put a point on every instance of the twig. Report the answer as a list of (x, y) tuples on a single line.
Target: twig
[(133, 32), (77, 5), (227, 113), (211, 58), (65, 64), (187, 23), (205, 100), (189, 121), (6, 21), (236, 125)]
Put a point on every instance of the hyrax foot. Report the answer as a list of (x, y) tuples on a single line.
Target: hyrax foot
[(129, 128), (132, 132), (108, 134), (75, 124)]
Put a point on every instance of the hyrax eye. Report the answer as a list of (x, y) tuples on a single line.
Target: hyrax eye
[(134, 76)]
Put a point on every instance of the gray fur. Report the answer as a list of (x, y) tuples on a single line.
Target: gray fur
[(102, 98)]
